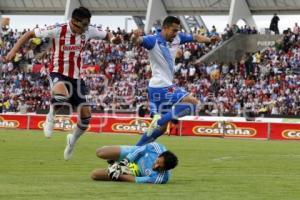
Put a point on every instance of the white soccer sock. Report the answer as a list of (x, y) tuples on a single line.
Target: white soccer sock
[(51, 113), (76, 135)]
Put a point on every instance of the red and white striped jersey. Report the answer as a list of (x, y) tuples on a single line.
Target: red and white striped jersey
[(67, 47)]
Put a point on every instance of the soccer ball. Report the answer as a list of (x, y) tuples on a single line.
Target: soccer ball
[(134, 168)]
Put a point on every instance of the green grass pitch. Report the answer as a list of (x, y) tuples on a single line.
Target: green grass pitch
[(32, 168)]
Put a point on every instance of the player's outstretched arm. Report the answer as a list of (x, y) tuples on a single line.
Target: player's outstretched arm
[(113, 39), (203, 39), (126, 178), (24, 38), (102, 175), (136, 38)]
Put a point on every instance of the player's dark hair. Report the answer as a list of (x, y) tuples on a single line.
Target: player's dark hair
[(170, 160), (168, 21), (81, 13)]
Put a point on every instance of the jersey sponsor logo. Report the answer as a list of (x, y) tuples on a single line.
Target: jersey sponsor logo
[(291, 134), (134, 126), (71, 48), (224, 128), (8, 123), (61, 123)]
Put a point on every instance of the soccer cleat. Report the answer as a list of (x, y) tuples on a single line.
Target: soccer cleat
[(69, 148), (153, 125), (48, 127)]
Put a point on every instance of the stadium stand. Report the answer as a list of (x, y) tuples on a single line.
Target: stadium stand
[(118, 75)]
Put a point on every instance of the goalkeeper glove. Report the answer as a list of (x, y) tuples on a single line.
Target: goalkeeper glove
[(124, 162), (114, 171), (115, 175), (125, 170)]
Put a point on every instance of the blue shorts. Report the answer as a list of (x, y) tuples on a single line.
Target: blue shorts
[(162, 99), (125, 150)]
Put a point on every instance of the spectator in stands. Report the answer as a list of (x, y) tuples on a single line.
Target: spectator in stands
[(202, 30), (249, 64), (296, 31), (274, 24), (22, 107), (287, 40), (213, 31), (254, 31)]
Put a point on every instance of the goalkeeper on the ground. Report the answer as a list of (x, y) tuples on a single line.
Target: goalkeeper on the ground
[(150, 163)]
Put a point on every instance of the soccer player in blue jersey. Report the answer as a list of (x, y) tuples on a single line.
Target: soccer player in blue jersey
[(153, 162), (167, 101)]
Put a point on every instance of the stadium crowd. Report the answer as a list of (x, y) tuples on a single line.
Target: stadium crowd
[(117, 75)]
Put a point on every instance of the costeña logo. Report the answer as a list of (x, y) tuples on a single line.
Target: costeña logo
[(224, 128), (291, 134), (134, 126), (8, 123), (61, 123)]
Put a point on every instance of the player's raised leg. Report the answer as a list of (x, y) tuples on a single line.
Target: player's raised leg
[(183, 104), (186, 106)]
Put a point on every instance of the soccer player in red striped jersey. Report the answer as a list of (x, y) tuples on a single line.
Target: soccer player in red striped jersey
[(67, 87)]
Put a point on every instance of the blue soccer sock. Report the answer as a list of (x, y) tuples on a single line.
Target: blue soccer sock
[(145, 139), (178, 110)]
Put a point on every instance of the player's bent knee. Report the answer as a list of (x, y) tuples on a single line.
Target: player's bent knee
[(83, 123), (101, 153), (194, 101), (190, 99), (59, 99)]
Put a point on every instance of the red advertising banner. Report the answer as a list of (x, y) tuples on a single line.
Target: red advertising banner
[(125, 125), (225, 129), (95, 125), (173, 129), (13, 121), (284, 131), (63, 123), (134, 125)]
